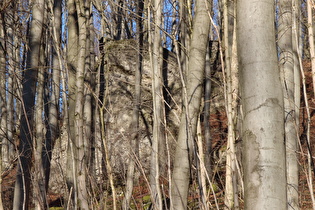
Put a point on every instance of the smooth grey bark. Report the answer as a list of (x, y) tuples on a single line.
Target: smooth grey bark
[(22, 184), (39, 193), (192, 99), (288, 75), (80, 143), (158, 135), (72, 64), (262, 103), (11, 82), (52, 95)]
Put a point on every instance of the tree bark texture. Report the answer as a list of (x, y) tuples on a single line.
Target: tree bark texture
[(188, 124), (80, 142), (158, 138), (262, 103), (288, 81), (22, 184), (72, 64)]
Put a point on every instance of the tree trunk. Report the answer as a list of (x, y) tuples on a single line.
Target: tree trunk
[(231, 100), (192, 98), (39, 194), (158, 136), (262, 103), (22, 184), (80, 142), (52, 97), (288, 79), (72, 64)]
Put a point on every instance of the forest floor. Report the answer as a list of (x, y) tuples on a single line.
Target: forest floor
[(141, 197)]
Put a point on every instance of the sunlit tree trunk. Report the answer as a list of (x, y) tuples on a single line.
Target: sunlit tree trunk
[(8, 27), (288, 83), (192, 98), (231, 99), (11, 71), (158, 136), (22, 184), (262, 102)]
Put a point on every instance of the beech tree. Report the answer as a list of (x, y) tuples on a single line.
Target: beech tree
[(192, 98), (262, 104), (291, 103), (22, 184), (101, 104)]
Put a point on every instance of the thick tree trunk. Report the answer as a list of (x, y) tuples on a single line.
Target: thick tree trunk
[(262, 103), (192, 98)]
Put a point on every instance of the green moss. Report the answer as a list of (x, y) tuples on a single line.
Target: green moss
[(146, 201), (215, 187)]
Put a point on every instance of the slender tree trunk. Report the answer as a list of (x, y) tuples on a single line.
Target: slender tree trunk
[(52, 105), (137, 107), (8, 27), (288, 79), (192, 98), (262, 103), (22, 184), (206, 113), (10, 105), (80, 143), (39, 194), (89, 87), (202, 171), (231, 98), (72, 64), (2, 96), (158, 138), (185, 19)]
